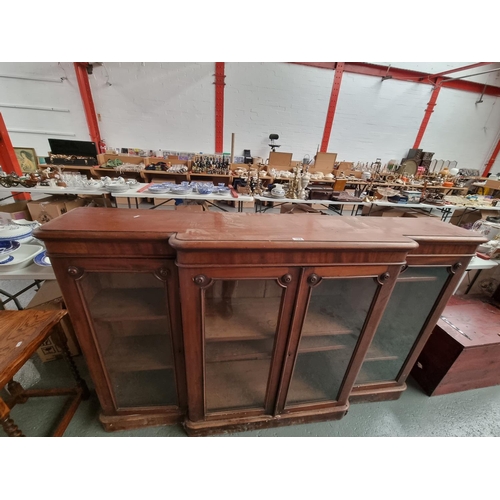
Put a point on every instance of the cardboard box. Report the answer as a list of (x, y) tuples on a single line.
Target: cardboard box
[(14, 211), (415, 213), (103, 158), (97, 201), (384, 211), (157, 201), (123, 201), (280, 160), (296, 208), (324, 163), (49, 298), (470, 217), (49, 208), (190, 208), (346, 166), (490, 183), (355, 173)]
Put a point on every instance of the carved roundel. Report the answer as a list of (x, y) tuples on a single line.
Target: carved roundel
[(313, 279), (162, 273), (75, 272), (201, 280), (383, 278)]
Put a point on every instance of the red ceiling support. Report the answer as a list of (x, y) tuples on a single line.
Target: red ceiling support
[(491, 161), (88, 103), (8, 160), (428, 112), (337, 80), (219, 106), (408, 76), (456, 70)]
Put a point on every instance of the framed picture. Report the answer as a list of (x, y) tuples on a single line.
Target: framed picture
[(27, 159)]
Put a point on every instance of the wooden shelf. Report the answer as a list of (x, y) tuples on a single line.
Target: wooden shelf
[(119, 304), (163, 173), (317, 324), (139, 353), (247, 319), (209, 175), (251, 349), (236, 385), (376, 354), (320, 343), (144, 388), (230, 350), (416, 279), (244, 324)]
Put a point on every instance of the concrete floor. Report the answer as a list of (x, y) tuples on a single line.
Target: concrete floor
[(470, 413)]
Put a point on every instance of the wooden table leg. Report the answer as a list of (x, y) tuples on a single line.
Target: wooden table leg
[(16, 390), (59, 338), (8, 425)]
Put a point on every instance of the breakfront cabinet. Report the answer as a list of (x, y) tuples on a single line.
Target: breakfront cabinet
[(226, 322)]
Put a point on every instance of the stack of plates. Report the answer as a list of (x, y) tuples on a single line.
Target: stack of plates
[(116, 188), (181, 190), (159, 188), (42, 260), (19, 258), (7, 247), (13, 232)]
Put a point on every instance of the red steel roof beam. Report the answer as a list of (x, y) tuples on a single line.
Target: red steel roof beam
[(428, 112), (337, 80), (8, 160), (88, 102), (456, 70), (219, 106), (409, 76), (491, 161)]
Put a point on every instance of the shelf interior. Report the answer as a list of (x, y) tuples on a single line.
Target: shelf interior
[(236, 384), (145, 388), (139, 353), (116, 304)]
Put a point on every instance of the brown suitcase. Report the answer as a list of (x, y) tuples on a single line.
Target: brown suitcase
[(320, 193)]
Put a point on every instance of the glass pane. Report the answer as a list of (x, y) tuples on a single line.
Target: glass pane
[(334, 319), (131, 322), (411, 302), (241, 318)]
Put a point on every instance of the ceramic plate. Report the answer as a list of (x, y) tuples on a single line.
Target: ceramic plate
[(7, 247), (409, 167), (41, 259), (158, 190), (117, 189), (21, 258), (6, 259)]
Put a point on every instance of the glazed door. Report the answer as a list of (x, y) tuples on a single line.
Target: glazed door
[(341, 310), (134, 320), (414, 300), (235, 333)]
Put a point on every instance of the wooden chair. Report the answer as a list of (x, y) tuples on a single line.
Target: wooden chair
[(21, 334)]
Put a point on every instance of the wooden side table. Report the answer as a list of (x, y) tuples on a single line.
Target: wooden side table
[(21, 334), (463, 351)]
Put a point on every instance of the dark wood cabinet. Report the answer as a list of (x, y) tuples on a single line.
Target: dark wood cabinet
[(423, 288), (234, 321)]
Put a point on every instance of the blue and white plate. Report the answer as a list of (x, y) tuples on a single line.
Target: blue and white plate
[(41, 259), (6, 259), (7, 247)]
